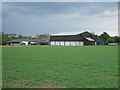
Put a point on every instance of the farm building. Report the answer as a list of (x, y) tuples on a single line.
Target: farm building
[(81, 39), (84, 38), (41, 41)]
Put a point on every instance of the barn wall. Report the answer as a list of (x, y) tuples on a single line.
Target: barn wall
[(66, 38), (62, 43), (73, 40), (67, 43), (86, 42), (87, 34)]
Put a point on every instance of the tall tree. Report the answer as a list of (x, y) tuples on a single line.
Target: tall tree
[(111, 40), (42, 36), (20, 36), (12, 36), (105, 37), (0, 38), (5, 38), (117, 39)]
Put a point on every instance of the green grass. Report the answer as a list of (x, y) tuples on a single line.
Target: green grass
[(60, 67)]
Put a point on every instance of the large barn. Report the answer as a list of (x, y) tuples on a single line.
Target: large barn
[(85, 38)]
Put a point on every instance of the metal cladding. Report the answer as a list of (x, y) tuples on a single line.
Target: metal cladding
[(84, 38)]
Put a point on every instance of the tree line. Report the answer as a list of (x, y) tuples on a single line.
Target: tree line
[(5, 37), (109, 39)]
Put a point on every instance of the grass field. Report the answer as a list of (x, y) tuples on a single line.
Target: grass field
[(60, 67)]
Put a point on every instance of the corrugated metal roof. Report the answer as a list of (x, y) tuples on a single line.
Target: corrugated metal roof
[(68, 33), (90, 39), (44, 39), (20, 40), (29, 40)]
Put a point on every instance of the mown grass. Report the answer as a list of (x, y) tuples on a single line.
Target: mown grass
[(60, 67)]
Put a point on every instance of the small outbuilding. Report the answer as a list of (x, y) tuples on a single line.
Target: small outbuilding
[(38, 41)]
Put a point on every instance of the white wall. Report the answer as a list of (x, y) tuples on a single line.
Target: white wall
[(81, 43), (52, 43), (26, 42), (57, 43), (95, 43), (67, 43), (77, 43), (72, 43), (62, 43), (113, 44), (32, 42)]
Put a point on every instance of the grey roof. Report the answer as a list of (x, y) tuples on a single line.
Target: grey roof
[(44, 39), (29, 40), (20, 40)]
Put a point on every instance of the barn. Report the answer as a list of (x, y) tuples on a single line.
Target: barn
[(84, 38)]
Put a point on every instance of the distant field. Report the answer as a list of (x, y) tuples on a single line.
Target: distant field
[(60, 67)]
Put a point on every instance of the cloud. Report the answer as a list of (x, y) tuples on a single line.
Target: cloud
[(0, 16), (55, 8), (77, 23), (60, 0), (108, 13), (52, 18)]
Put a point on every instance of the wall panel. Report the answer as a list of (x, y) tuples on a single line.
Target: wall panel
[(67, 43)]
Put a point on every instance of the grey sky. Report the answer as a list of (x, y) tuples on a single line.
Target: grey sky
[(31, 18), (60, 0)]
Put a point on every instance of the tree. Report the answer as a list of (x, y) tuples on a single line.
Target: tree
[(5, 38), (105, 37), (20, 36), (37, 36), (29, 37), (42, 36), (117, 39), (12, 36), (0, 38), (111, 40)]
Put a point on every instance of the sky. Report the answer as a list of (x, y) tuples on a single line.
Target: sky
[(31, 18), (60, 0)]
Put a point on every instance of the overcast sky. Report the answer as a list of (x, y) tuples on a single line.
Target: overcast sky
[(31, 18)]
